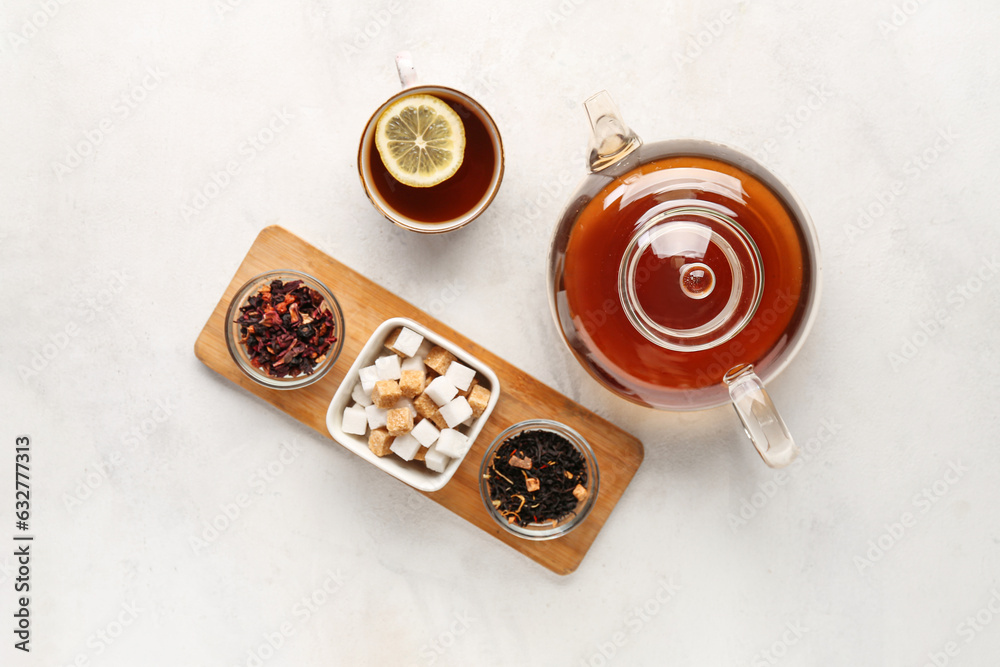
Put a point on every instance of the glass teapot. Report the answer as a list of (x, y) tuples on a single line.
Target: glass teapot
[(683, 275)]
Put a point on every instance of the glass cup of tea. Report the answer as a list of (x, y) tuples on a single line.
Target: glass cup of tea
[(426, 206)]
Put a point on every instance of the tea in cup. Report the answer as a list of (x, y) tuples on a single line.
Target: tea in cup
[(431, 158)]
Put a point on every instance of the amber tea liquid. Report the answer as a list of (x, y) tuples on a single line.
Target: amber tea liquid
[(457, 195), (643, 370)]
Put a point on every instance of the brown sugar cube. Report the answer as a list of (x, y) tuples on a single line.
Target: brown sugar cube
[(386, 393), (427, 409), (391, 340), (438, 420), (379, 442), (478, 399), (466, 392), (399, 422), (421, 454), (411, 383), (424, 406), (439, 359)]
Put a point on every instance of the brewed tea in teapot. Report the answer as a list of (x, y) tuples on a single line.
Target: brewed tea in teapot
[(684, 275)]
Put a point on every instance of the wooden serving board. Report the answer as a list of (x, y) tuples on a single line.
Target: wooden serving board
[(365, 306)]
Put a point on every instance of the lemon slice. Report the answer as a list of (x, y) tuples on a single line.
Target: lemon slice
[(421, 140)]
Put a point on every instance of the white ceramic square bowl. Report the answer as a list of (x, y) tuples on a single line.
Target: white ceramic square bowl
[(414, 473)]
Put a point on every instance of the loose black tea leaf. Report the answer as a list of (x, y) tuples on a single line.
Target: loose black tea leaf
[(543, 491), (286, 330)]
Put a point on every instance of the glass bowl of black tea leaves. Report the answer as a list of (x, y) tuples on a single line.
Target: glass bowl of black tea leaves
[(539, 479), (284, 329)]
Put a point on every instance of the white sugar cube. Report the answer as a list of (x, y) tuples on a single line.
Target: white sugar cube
[(368, 376), (426, 432), (405, 446), (376, 416), (355, 421), (408, 342), (413, 364), (424, 348), (456, 412), (452, 443), (361, 396), (407, 403), (460, 375), (387, 368), (468, 422), (441, 390), (435, 460)]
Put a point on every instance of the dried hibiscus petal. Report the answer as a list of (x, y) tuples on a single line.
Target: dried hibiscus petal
[(285, 329)]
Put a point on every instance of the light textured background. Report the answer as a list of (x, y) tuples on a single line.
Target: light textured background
[(902, 123)]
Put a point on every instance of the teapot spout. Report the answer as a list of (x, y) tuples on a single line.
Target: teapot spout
[(610, 138)]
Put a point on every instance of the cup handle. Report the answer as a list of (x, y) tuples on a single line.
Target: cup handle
[(761, 420), (407, 73)]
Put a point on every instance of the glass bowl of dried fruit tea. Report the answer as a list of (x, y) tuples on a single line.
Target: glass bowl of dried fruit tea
[(284, 329), (539, 479)]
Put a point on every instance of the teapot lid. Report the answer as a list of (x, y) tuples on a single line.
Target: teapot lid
[(691, 278)]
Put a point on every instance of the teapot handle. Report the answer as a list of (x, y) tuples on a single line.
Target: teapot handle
[(761, 420), (610, 138)]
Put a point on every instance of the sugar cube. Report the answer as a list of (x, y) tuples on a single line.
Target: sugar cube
[(412, 364), (376, 416), (368, 376), (391, 340), (439, 359), (425, 432), (361, 396), (435, 460), (460, 375), (472, 385), (379, 442), (441, 390), (427, 409), (411, 383), (387, 367), (405, 447), (399, 421), (424, 349), (425, 406), (438, 419), (406, 342), (408, 404), (456, 412), (452, 443), (421, 453), (479, 398), (386, 393), (355, 421)]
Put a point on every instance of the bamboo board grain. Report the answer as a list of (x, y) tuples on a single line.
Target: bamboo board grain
[(366, 305)]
